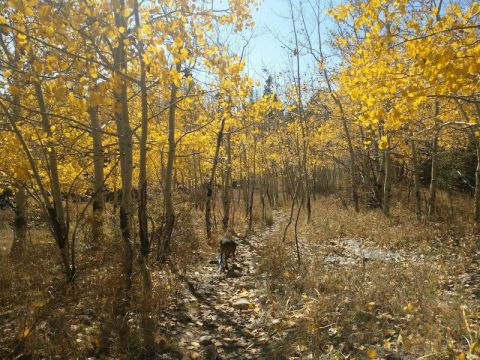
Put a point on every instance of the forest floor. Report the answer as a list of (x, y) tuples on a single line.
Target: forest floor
[(223, 314), (366, 287), (411, 292)]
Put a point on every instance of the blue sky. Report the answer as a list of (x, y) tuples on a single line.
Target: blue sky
[(272, 27), (265, 49)]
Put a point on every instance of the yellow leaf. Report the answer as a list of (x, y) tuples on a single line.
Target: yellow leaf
[(286, 274), (183, 54), (22, 39), (93, 72), (400, 340), (121, 29), (3, 21), (38, 303), (372, 354), (28, 11), (24, 333), (409, 308), (178, 42), (462, 356), (383, 143), (50, 31)]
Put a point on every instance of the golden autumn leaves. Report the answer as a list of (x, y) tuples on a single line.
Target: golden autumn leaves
[(70, 50), (404, 59)]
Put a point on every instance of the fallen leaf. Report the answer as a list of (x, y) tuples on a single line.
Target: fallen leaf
[(372, 354)]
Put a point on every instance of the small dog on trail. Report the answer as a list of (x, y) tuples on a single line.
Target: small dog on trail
[(227, 251)]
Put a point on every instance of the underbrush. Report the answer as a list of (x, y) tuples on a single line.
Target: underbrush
[(373, 308), (42, 316)]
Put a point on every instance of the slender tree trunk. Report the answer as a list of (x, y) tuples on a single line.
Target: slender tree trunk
[(387, 181), (250, 202), (353, 182), (433, 180), (211, 182), (416, 180), (263, 186), (245, 181), (292, 207), (379, 177), (297, 245), (98, 176), (56, 213), (434, 169), (19, 225), (346, 130), (147, 320), (49, 208), (227, 185), (303, 164), (477, 184), (125, 143), (168, 191), (195, 182)]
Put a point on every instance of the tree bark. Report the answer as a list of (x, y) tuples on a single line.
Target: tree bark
[(147, 320), (416, 180), (56, 212), (250, 201), (98, 175), (227, 185), (168, 192), (477, 184), (19, 225), (211, 182), (387, 185), (434, 169), (125, 143), (303, 164), (245, 180)]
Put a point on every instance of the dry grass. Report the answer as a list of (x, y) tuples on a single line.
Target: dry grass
[(41, 315), (411, 307)]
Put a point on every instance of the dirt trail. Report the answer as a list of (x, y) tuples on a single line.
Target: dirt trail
[(221, 316)]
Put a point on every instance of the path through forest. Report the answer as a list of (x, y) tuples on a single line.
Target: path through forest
[(230, 316), (220, 315)]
